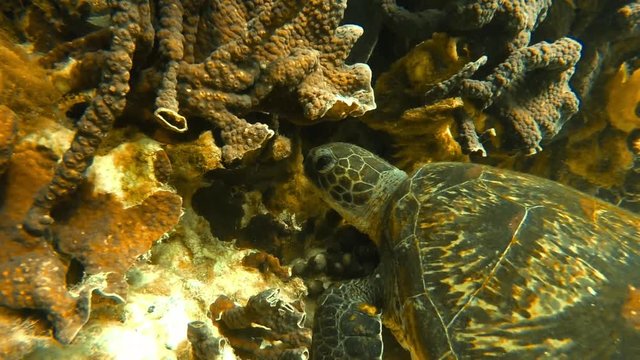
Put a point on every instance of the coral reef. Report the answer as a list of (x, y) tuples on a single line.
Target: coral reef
[(203, 343), (532, 105), (543, 60), (517, 18), (285, 47), (421, 132), (121, 218), (165, 138), (98, 119), (271, 45), (526, 95), (283, 322), (118, 215), (597, 154), (266, 263), (109, 191)]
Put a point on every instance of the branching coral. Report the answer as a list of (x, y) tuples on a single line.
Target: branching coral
[(228, 62), (98, 118), (529, 91), (517, 18), (34, 276), (286, 45), (220, 60), (120, 213), (432, 131)]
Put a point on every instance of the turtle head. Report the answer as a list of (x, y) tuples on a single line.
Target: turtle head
[(355, 182)]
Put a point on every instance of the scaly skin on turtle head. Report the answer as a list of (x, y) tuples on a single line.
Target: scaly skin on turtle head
[(355, 182)]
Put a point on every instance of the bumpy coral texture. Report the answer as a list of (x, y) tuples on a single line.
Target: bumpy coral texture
[(219, 60), (519, 17), (278, 321), (271, 45), (527, 90), (34, 276), (533, 105), (96, 120), (104, 235)]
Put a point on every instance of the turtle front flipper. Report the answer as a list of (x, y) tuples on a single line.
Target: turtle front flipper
[(347, 323)]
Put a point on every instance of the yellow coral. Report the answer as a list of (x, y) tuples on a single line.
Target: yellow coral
[(25, 87), (603, 160), (422, 133), (597, 151), (624, 97)]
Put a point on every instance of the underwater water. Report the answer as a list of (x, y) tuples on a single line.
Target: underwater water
[(160, 198)]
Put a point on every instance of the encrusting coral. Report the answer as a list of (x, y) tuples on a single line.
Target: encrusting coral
[(422, 132), (123, 208), (174, 99), (119, 213)]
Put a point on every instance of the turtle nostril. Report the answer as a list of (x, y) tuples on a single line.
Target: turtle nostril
[(324, 163)]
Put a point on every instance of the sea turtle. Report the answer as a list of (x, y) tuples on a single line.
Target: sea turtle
[(477, 262)]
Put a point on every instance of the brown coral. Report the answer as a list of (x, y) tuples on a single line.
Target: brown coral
[(266, 262), (532, 106), (170, 41), (278, 321), (106, 234), (273, 45), (204, 345), (108, 239), (97, 119), (219, 60), (518, 18), (34, 276), (421, 132)]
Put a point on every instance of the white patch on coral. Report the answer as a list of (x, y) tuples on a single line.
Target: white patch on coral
[(126, 344), (54, 136), (162, 299), (127, 171)]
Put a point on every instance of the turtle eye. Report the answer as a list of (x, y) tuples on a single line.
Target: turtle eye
[(324, 163)]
